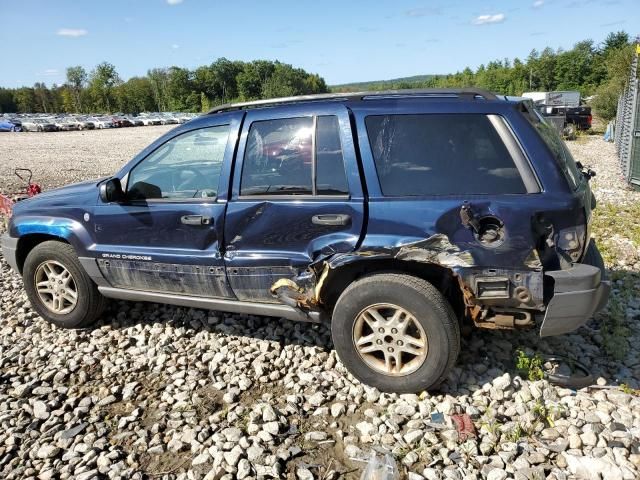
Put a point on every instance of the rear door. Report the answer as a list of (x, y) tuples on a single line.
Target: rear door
[(296, 196)]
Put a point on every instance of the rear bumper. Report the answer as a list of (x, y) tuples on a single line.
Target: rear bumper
[(578, 293), (9, 248)]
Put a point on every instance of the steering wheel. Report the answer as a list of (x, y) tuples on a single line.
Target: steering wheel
[(186, 183)]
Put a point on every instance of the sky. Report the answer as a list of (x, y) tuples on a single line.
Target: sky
[(343, 41)]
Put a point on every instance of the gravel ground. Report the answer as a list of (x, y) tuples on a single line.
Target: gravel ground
[(164, 392)]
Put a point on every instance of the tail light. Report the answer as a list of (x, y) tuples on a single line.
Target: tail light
[(572, 241), (589, 119)]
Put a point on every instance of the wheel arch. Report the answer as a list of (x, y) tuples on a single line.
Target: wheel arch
[(442, 278), (28, 242)]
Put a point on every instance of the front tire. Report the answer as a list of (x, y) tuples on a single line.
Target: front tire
[(58, 287), (395, 332)]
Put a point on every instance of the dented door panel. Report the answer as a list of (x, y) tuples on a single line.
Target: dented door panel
[(274, 237)]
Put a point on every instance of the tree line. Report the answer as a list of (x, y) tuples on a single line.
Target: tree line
[(592, 69), (598, 70), (163, 89)]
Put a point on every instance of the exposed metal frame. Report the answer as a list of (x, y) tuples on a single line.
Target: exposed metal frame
[(461, 93)]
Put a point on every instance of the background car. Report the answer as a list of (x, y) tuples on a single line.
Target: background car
[(8, 126), (39, 125)]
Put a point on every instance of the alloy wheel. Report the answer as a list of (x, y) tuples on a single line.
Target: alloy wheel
[(56, 287), (389, 339)]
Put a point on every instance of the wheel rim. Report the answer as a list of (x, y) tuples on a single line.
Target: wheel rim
[(56, 287), (390, 340)]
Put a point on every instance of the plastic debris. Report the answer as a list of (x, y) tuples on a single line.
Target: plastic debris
[(437, 417), (464, 426), (381, 467)]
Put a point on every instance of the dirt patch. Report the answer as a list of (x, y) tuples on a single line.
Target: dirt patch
[(209, 401), (322, 459), (157, 465)]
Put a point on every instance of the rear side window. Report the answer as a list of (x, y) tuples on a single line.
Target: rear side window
[(294, 156), (557, 147), (330, 175), (439, 154)]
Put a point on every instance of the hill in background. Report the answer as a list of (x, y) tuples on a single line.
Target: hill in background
[(415, 81)]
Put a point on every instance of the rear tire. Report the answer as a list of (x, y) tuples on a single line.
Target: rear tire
[(395, 332), (58, 287)]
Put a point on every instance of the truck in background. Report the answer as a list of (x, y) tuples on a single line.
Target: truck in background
[(564, 109)]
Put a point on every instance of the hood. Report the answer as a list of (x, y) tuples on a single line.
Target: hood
[(77, 194)]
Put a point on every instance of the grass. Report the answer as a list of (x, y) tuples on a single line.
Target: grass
[(627, 389), (609, 220), (529, 367)]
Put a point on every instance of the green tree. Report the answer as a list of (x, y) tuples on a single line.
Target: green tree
[(102, 82), (76, 80), (25, 99)]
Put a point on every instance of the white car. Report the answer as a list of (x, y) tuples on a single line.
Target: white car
[(101, 122)]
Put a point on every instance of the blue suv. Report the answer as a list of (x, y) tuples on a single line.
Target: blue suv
[(398, 217)]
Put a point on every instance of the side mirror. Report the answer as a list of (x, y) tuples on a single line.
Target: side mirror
[(111, 191)]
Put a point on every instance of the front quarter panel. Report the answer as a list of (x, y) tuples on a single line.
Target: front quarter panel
[(68, 224)]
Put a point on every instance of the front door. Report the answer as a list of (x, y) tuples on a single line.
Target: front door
[(166, 235), (293, 201)]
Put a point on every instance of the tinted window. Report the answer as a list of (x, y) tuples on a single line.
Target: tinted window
[(278, 158), (187, 166), (330, 175), (440, 155), (557, 147)]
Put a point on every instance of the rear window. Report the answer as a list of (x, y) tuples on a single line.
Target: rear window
[(441, 154), (557, 147)]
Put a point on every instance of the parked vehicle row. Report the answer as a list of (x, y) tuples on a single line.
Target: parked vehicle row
[(30, 122)]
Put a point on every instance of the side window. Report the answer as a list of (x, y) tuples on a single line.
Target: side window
[(279, 158), (331, 178), (187, 166), (557, 147), (439, 154)]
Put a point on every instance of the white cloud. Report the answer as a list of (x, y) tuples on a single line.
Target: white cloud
[(488, 19), (174, 2), (128, 19), (72, 32), (538, 3), (175, 46), (50, 72)]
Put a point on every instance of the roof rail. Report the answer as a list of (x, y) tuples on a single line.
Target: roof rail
[(463, 93)]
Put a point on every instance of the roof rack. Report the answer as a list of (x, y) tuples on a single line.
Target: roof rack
[(462, 93)]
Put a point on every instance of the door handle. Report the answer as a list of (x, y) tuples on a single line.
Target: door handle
[(195, 220), (331, 219)]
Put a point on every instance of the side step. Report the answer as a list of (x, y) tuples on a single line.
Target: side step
[(234, 306)]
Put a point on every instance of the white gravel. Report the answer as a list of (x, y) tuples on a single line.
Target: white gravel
[(164, 392)]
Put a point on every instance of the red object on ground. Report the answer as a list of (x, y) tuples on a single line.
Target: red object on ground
[(6, 205), (464, 426), (32, 189)]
